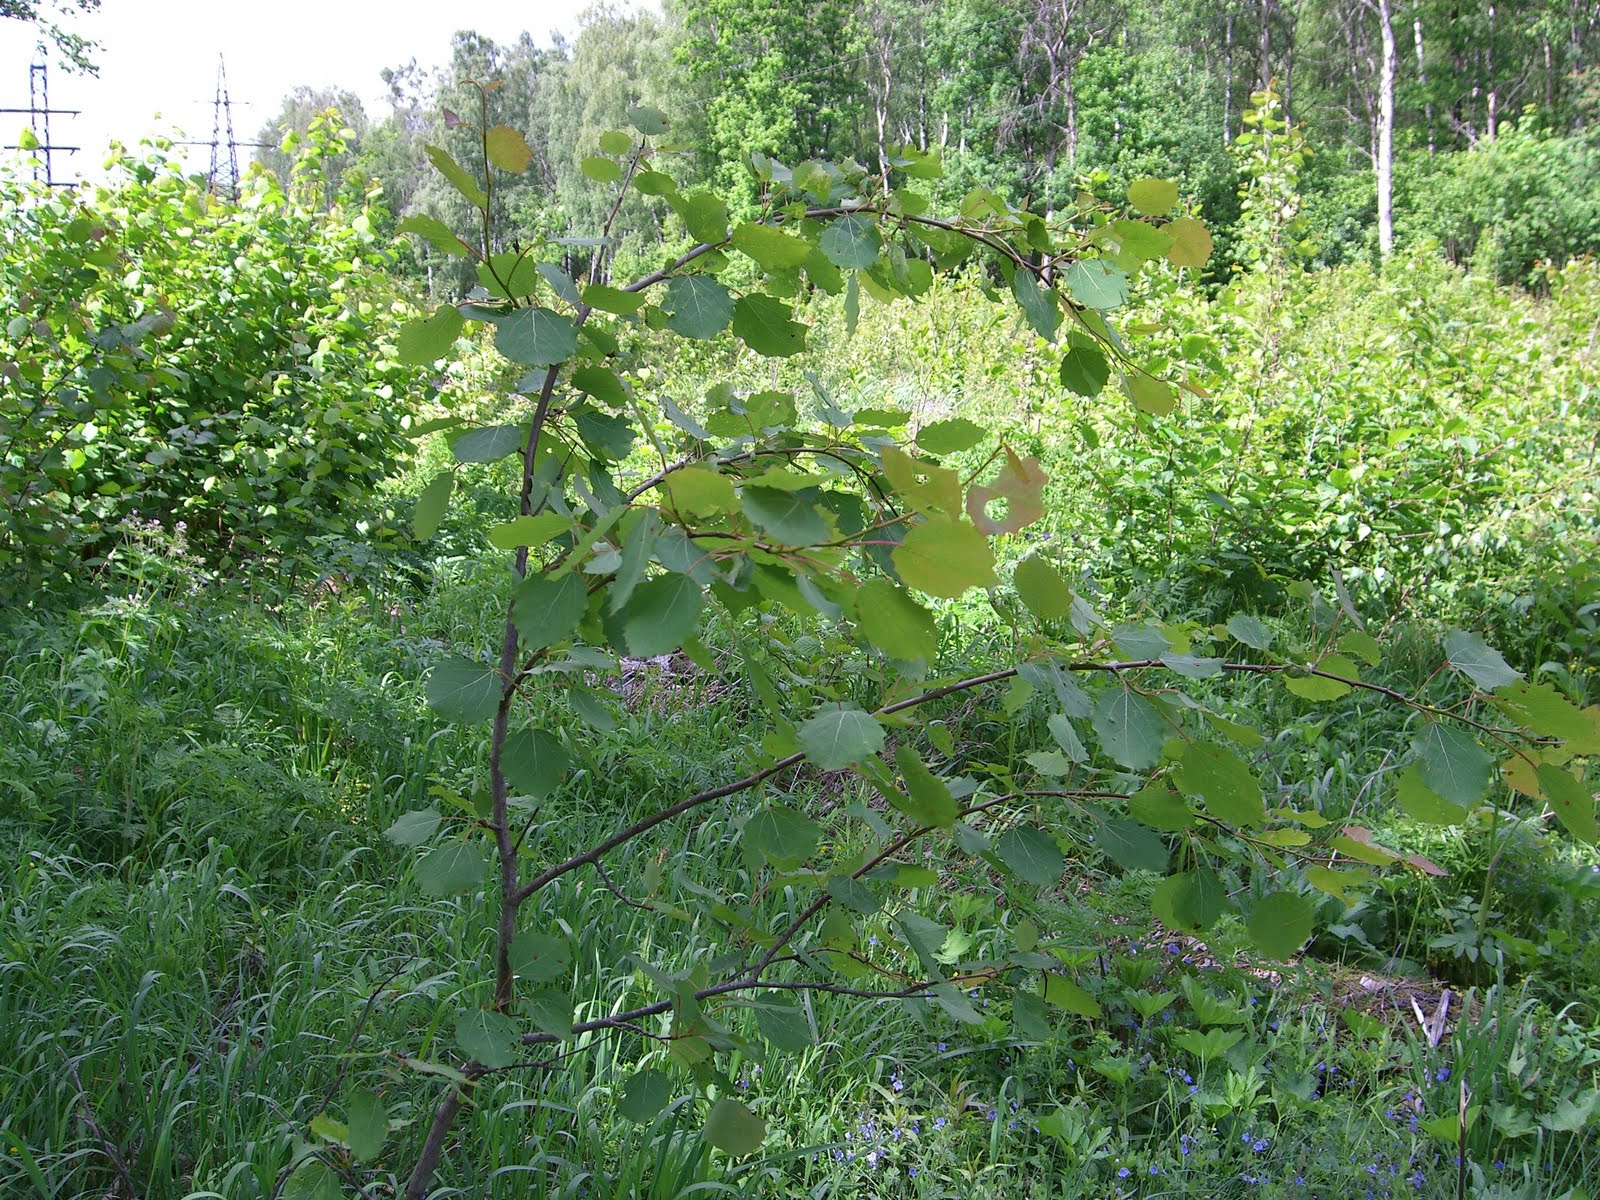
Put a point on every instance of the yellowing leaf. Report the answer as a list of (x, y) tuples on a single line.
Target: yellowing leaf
[(1152, 196), (508, 150), (1021, 485), (1191, 243)]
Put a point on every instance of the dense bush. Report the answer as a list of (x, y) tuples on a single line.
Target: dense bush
[(182, 359), (1522, 198)]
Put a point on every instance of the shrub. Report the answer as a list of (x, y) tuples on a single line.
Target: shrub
[(225, 367)]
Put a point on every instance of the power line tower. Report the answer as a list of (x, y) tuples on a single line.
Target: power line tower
[(224, 177), (39, 113)]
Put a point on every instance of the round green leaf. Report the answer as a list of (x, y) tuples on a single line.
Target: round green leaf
[(1280, 923), (661, 615), (782, 836), (839, 735), (1084, 370), (945, 557), (601, 169), (368, 1126), (463, 691), (951, 436), (492, 1038), (697, 306), (1032, 855), (432, 505), (734, 1129), (453, 868), (1153, 197), (852, 243), (1130, 729), (786, 517), (1215, 774), (896, 624), (507, 149), (538, 957), (767, 326), (1042, 589), (533, 762), (423, 342), (536, 337), (772, 248), (645, 1095), (546, 610)]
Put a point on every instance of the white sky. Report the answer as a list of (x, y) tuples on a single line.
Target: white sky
[(160, 57)]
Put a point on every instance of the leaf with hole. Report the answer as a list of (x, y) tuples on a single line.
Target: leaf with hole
[(1020, 483)]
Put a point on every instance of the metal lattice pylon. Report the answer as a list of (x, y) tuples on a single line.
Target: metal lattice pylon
[(223, 177)]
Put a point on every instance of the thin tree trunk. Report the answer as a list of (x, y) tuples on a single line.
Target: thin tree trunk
[(1422, 78), (1227, 81), (1385, 147), (1493, 122), (1264, 46)]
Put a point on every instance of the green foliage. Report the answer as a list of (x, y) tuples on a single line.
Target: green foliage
[(805, 521), (1510, 204), (151, 374)]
